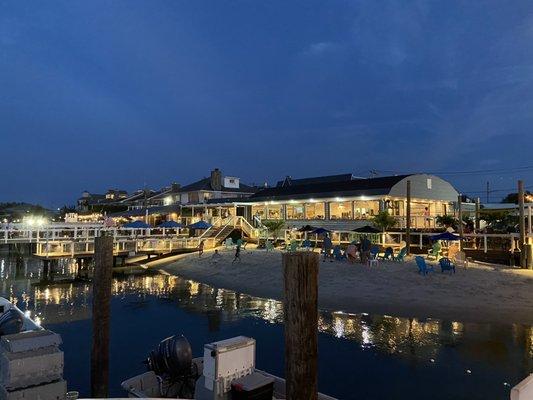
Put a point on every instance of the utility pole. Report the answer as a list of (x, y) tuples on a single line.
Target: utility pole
[(488, 191), (460, 216), (478, 212)]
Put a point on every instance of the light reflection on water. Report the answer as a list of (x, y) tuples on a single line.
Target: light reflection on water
[(503, 350)]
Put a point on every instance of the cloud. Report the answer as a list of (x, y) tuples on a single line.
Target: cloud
[(321, 48)]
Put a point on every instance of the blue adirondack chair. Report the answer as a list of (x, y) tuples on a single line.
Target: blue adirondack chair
[(400, 257), (306, 244), (423, 268), (388, 254), (337, 253), (374, 251), (446, 265)]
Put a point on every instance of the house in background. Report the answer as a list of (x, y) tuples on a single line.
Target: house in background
[(216, 186)]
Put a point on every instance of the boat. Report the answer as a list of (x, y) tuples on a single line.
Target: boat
[(13, 320), (226, 371)]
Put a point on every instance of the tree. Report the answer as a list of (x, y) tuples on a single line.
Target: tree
[(513, 197), (447, 221), (384, 221), (274, 227)]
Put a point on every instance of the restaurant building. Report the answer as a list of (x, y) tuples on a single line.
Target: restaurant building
[(345, 202)]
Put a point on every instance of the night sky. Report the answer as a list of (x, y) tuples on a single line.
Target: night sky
[(101, 94)]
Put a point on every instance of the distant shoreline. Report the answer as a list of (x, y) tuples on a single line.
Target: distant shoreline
[(481, 294)]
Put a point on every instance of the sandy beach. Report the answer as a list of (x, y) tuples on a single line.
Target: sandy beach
[(477, 294)]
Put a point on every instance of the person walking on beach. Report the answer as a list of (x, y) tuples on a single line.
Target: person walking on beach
[(365, 249), (201, 249), (237, 254), (326, 247)]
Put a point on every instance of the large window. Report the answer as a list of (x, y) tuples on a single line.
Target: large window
[(295, 211), (366, 209), (340, 210), (259, 211), (274, 212), (315, 210)]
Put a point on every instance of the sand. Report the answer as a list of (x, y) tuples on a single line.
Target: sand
[(481, 293)]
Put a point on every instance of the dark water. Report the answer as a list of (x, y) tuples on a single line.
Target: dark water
[(360, 356)]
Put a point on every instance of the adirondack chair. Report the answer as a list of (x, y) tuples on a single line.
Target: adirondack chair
[(269, 246), (423, 268), (435, 250), (446, 265), (400, 257), (373, 259), (228, 243), (337, 253), (293, 245), (306, 244), (387, 255), (461, 260)]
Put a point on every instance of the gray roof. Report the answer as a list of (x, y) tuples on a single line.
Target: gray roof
[(205, 184), (288, 181), (354, 187)]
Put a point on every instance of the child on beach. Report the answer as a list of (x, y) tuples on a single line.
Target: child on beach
[(215, 258)]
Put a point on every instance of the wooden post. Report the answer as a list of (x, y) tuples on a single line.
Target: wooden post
[(522, 223), (478, 211), (460, 217), (408, 219), (300, 272), (103, 263)]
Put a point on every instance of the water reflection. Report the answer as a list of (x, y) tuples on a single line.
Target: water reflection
[(416, 341)]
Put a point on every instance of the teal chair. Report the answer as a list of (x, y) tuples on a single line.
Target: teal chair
[(400, 257)]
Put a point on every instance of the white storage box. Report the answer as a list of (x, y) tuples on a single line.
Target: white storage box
[(227, 360)]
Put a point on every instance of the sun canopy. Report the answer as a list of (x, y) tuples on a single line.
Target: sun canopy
[(320, 231), (366, 229), (137, 225), (200, 225), (446, 236), (307, 228), (170, 224)]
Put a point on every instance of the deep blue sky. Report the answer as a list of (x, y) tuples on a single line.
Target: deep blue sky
[(99, 94)]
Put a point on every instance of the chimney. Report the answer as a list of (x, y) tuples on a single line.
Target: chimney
[(216, 179), (175, 187)]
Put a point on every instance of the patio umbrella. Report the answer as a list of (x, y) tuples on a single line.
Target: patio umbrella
[(200, 225), (320, 231), (446, 236), (366, 229), (170, 225), (307, 228), (137, 225)]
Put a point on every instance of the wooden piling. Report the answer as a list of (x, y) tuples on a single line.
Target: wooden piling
[(522, 223), (103, 263), (300, 272), (408, 219)]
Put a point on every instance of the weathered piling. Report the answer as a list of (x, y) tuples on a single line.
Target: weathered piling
[(300, 272), (408, 218), (103, 264)]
